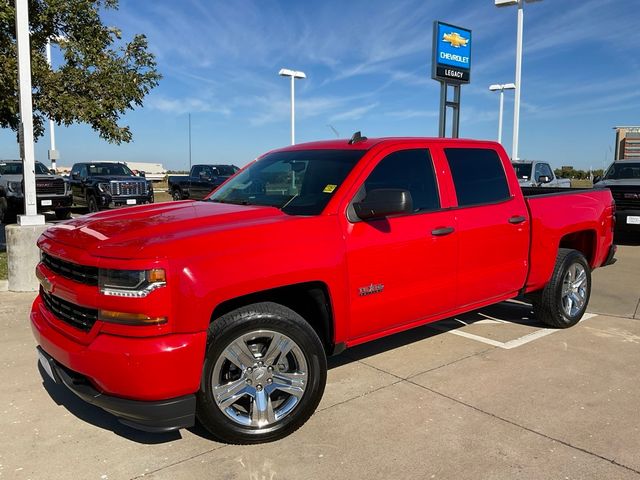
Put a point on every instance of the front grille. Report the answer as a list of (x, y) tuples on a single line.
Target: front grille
[(626, 197), (54, 186), (79, 317), (72, 271), (128, 189)]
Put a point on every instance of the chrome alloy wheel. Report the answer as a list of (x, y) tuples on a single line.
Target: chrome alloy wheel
[(259, 378), (574, 289)]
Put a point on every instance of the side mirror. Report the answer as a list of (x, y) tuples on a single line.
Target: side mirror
[(75, 176), (204, 175), (384, 202), (544, 179), (597, 178), (142, 174)]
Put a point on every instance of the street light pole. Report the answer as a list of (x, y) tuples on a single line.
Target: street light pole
[(25, 134), (285, 72), (516, 101), (53, 154), (501, 88)]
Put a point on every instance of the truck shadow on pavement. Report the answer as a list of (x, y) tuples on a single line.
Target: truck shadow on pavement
[(514, 312)]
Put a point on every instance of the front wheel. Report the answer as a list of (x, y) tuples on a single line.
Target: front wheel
[(563, 301), (92, 204), (177, 195), (264, 374)]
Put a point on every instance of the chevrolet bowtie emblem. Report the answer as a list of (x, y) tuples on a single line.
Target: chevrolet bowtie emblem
[(455, 39)]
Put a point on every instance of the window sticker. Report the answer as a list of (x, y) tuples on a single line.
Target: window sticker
[(329, 188)]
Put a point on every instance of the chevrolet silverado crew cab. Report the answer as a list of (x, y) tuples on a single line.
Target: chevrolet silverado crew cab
[(202, 179), (225, 309), (623, 179), (52, 192), (101, 185)]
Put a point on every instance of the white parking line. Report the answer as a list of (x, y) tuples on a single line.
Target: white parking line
[(518, 342)]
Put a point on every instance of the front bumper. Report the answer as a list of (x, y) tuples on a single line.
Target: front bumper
[(44, 202), (623, 218), (125, 375), (107, 201), (149, 416)]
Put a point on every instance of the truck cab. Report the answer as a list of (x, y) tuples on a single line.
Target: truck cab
[(102, 185), (201, 181), (534, 173)]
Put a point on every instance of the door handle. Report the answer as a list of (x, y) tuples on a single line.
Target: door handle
[(517, 219), (442, 231)]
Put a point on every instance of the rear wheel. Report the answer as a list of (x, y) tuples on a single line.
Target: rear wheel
[(263, 376), (564, 299)]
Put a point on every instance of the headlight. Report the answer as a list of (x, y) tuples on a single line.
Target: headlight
[(104, 188), (15, 187), (130, 283)]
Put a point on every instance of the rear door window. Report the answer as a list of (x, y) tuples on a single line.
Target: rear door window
[(478, 176)]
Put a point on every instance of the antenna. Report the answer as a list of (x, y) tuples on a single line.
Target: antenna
[(356, 138)]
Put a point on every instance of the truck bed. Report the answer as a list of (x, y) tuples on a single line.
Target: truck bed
[(557, 212), (539, 191)]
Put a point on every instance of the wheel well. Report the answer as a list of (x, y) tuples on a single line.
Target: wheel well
[(309, 300), (584, 242)]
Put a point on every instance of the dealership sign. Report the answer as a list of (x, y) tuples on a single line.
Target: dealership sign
[(451, 53)]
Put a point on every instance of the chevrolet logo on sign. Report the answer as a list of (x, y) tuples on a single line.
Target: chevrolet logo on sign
[(455, 39)]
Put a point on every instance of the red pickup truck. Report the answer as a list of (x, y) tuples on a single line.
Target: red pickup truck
[(225, 309)]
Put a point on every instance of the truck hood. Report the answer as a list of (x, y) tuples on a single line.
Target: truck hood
[(145, 231), (614, 183)]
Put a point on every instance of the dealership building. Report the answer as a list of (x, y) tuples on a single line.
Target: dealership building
[(627, 143)]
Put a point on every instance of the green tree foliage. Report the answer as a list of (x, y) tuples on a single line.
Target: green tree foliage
[(570, 172), (102, 76)]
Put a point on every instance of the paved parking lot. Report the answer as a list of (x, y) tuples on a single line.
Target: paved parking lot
[(490, 394)]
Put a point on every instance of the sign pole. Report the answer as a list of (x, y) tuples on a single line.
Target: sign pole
[(442, 127), (451, 66)]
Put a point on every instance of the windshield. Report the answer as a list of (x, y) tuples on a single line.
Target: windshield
[(224, 170), (297, 182), (523, 170), (623, 170), (109, 169), (15, 168)]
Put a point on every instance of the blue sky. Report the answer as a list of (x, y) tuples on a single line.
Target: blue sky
[(368, 68)]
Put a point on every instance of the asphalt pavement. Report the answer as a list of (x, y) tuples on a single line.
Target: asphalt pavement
[(487, 395)]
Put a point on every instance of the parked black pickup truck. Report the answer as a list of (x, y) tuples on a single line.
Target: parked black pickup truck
[(101, 185), (52, 192), (201, 181), (623, 179)]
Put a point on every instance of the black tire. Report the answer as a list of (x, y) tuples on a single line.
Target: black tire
[(92, 204), (176, 194), (250, 321), (3, 208), (63, 213), (548, 304)]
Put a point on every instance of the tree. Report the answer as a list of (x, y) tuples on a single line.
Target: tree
[(102, 76)]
